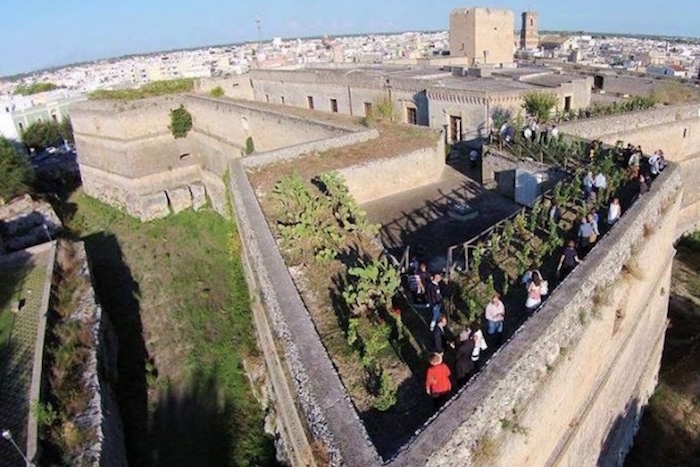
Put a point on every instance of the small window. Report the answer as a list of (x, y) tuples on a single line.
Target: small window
[(411, 116), (310, 101), (267, 98), (282, 99), (532, 22), (21, 127), (55, 119), (368, 109), (334, 105), (685, 132), (185, 157)]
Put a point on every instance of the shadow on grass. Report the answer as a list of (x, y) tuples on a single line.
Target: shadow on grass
[(119, 296), (203, 425)]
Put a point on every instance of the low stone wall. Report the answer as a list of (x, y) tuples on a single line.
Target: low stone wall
[(295, 152), (322, 398), (387, 176), (553, 393)]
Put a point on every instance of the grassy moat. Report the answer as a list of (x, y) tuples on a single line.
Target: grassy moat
[(175, 292)]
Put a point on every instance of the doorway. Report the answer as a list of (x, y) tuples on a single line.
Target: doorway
[(455, 128)]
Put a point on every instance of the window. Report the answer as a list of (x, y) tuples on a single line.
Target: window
[(21, 127), (411, 116), (368, 109), (310, 101), (567, 103), (267, 98), (282, 99), (334, 105), (685, 132), (55, 119)]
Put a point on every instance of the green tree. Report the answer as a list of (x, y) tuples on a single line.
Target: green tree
[(16, 173), (66, 130), (40, 135), (539, 104), (217, 92)]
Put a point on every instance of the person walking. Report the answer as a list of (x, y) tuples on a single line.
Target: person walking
[(614, 211), (495, 313), (568, 260), (440, 336), (434, 296), (464, 366), (437, 381), (534, 294)]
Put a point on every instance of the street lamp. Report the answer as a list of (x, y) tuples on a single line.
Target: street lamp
[(7, 434)]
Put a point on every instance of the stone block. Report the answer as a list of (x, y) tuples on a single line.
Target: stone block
[(199, 195), (180, 198), (148, 207)]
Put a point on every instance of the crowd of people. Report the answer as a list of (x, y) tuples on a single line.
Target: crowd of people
[(426, 288)]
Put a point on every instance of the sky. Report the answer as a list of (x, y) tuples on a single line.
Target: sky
[(42, 33)]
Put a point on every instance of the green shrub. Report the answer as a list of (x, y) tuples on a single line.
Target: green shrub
[(17, 175), (180, 122), (152, 89), (217, 92)]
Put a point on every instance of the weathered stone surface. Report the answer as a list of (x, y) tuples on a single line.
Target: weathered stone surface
[(199, 195), (25, 222), (180, 198), (148, 207)]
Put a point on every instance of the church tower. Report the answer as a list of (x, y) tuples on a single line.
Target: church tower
[(529, 39)]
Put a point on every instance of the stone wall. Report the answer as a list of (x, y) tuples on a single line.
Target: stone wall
[(577, 370), (384, 177), (237, 86), (323, 401), (149, 173)]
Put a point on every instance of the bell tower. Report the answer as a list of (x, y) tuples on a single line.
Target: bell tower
[(529, 38)]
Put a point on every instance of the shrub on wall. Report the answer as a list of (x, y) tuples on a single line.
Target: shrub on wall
[(152, 89), (180, 122), (217, 92), (249, 145)]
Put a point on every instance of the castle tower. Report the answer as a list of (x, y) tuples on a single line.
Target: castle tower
[(529, 39), (482, 35)]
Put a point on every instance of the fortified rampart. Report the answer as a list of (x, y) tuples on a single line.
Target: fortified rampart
[(674, 129), (566, 390), (129, 158)]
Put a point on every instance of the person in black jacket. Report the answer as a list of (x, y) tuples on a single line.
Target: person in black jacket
[(434, 296), (464, 365), (440, 336)]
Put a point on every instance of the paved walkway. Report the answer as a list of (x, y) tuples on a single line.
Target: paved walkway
[(27, 277), (419, 218)]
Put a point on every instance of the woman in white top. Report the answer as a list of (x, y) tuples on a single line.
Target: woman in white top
[(534, 293), (614, 211)]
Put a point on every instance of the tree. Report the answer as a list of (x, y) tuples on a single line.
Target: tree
[(539, 104), (16, 173), (66, 130), (41, 135)]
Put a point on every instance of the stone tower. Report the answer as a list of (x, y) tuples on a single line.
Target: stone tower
[(482, 35), (529, 39)]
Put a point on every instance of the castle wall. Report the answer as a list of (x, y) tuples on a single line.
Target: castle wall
[(384, 177), (149, 173), (579, 367)]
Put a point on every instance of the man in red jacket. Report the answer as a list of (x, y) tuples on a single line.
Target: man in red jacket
[(437, 381)]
